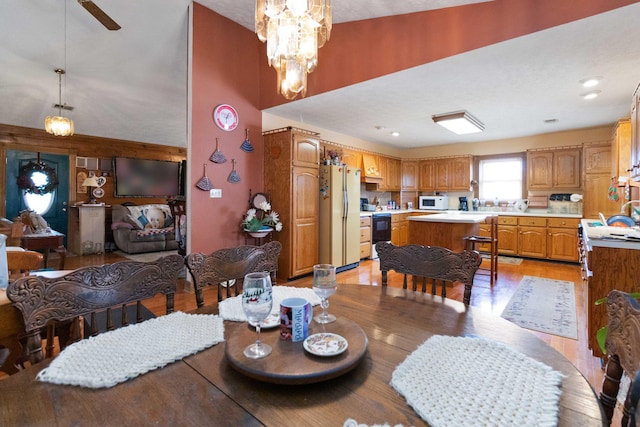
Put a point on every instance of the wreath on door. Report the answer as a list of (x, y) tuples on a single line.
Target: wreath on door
[(25, 178)]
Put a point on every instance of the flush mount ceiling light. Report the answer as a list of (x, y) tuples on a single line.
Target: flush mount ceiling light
[(459, 122), (294, 31), (590, 95), (59, 125)]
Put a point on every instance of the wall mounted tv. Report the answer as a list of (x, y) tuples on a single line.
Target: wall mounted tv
[(147, 178)]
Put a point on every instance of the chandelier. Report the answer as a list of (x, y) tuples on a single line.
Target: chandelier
[(59, 125), (294, 31)]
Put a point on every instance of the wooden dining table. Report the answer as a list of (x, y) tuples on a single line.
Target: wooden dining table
[(204, 389)]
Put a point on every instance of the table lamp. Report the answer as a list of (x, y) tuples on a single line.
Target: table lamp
[(90, 183)]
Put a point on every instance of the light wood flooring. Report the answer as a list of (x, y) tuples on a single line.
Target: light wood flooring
[(488, 298)]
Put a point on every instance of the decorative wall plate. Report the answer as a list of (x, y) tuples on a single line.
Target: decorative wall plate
[(98, 193)]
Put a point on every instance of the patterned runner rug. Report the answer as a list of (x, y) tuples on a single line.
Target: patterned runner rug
[(544, 305)]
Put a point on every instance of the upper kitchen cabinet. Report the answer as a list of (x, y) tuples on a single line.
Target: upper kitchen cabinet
[(370, 169), (351, 158), (597, 158), (621, 149), (441, 177), (291, 158), (554, 169), (427, 175), (390, 169), (410, 175), (460, 169)]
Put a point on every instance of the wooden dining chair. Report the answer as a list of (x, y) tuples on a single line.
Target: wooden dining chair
[(231, 265), (21, 263), (487, 242), (438, 265), (179, 214), (91, 291), (623, 350)]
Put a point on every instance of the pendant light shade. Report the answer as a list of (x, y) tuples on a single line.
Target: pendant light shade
[(59, 125), (294, 31)]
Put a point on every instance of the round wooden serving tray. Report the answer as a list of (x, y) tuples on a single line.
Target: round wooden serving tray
[(289, 363)]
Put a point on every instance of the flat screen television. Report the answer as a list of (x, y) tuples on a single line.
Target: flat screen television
[(146, 178)]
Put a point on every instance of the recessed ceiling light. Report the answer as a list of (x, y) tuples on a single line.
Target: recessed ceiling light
[(590, 95), (591, 81), (380, 127), (395, 133)]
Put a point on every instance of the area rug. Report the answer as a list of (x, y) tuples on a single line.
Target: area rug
[(509, 260), (544, 305)]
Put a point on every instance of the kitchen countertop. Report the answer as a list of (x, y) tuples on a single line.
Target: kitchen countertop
[(451, 217), (529, 212), (601, 236)]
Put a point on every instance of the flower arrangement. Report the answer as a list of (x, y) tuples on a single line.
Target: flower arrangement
[(333, 155), (254, 220)]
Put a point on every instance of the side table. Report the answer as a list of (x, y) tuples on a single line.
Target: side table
[(45, 242)]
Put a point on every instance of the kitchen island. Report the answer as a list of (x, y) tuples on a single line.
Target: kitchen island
[(446, 230)]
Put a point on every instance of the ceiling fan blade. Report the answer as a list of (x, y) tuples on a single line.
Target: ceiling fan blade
[(99, 14)]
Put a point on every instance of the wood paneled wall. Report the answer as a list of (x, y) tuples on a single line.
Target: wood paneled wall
[(37, 140)]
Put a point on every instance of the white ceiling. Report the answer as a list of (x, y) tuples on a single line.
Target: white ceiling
[(131, 84)]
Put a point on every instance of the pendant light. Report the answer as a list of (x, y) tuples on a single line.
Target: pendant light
[(60, 125)]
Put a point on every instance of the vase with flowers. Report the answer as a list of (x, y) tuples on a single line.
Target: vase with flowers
[(260, 222)]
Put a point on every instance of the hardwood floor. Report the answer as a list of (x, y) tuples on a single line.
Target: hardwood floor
[(491, 299)]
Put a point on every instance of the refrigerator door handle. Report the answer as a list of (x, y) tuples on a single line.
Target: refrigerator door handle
[(345, 210)]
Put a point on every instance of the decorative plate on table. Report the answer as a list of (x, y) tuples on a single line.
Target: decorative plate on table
[(271, 321), (325, 344)]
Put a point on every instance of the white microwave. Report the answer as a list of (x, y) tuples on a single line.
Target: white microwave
[(434, 203)]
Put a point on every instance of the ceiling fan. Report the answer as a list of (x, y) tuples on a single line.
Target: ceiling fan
[(99, 14)]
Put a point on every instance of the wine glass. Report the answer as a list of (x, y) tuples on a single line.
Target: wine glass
[(256, 304), (324, 285)]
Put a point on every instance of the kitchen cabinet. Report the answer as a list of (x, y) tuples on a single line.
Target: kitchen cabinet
[(427, 175), (390, 171), (460, 173), (365, 237), (87, 229), (508, 235), (410, 175), (532, 237), (370, 169), (635, 135), (400, 228), (351, 158), (442, 174), (597, 183), (562, 239), (608, 268), (556, 169), (621, 149), (291, 158)]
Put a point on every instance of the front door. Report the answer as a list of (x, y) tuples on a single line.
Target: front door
[(57, 215)]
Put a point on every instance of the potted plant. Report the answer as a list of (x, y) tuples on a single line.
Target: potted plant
[(260, 222)]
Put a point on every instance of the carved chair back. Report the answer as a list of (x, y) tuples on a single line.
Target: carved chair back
[(623, 350), (439, 265), (179, 214), (231, 264), (87, 291)]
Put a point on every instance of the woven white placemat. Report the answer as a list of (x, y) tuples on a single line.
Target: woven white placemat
[(231, 308), (472, 381), (116, 356)]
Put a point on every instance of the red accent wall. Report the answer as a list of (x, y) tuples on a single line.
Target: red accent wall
[(225, 70), (363, 50)]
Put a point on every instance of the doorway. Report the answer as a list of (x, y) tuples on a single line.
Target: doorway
[(57, 214)]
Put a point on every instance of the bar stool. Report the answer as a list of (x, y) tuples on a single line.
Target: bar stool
[(490, 244)]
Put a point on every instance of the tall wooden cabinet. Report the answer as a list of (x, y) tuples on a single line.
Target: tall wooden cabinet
[(291, 159), (597, 180)]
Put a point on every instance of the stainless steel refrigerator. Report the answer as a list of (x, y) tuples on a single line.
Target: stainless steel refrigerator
[(339, 216)]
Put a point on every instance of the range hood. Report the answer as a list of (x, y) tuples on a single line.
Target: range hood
[(370, 172)]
